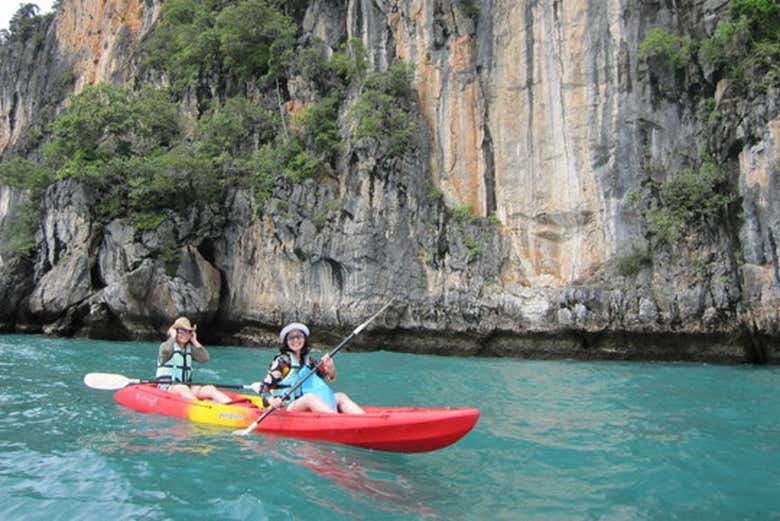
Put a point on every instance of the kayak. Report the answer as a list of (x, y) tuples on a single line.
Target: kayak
[(394, 429)]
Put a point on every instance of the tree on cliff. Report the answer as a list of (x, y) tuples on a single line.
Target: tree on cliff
[(25, 24)]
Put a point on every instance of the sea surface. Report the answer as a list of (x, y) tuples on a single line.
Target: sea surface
[(558, 440)]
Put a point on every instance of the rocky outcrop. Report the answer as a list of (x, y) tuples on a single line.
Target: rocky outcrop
[(109, 281), (539, 116), (16, 280)]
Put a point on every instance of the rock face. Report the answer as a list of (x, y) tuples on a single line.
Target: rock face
[(88, 42), (15, 273), (540, 114)]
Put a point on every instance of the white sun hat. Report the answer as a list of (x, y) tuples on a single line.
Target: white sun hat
[(291, 327)]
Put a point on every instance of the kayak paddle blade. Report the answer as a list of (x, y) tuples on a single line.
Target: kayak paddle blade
[(107, 381)]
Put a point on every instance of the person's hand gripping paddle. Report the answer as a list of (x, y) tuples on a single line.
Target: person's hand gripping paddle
[(244, 432)]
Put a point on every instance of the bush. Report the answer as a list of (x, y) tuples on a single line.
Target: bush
[(177, 179), (311, 64), (256, 39), (184, 43), (694, 197), (763, 16), (469, 8), (660, 44), (473, 247), (147, 221), (232, 128), (435, 194), (170, 254), (384, 110), (299, 163), (320, 128), (199, 39), (29, 175), (26, 174), (116, 141), (288, 159), (666, 225), (494, 219), (110, 179), (465, 214), (727, 45), (23, 227), (351, 62), (746, 47), (396, 82), (633, 263), (105, 122), (266, 164), (699, 193)]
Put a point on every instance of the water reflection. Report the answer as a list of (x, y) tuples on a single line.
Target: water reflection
[(153, 434), (369, 478), (364, 475)]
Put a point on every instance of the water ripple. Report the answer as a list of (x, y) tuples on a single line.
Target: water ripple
[(555, 441)]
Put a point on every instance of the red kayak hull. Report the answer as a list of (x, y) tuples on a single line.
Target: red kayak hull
[(395, 429)]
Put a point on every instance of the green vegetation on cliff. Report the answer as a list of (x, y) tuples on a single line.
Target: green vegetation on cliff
[(26, 25), (382, 111), (739, 61), (196, 41), (268, 110), (30, 175), (104, 123), (744, 47), (676, 50), (695, 197)]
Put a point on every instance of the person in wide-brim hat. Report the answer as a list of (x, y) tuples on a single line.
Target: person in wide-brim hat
[(181, 323), (174, 363)]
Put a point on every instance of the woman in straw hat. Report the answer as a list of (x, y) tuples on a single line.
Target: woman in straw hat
[(174, 363)]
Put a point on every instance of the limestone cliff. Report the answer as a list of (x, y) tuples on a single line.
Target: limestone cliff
[(541, 114)]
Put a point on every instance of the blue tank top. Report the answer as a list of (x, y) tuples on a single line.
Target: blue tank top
[(313, 385)]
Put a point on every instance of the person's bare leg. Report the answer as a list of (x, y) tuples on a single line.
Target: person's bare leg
[(346, 405), (310, 402), (212, 393), (183, 391)]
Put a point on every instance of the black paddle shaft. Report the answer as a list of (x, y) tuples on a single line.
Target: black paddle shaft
[(317, 368)]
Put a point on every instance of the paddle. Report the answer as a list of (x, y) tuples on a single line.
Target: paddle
[(244, 432), (112, 382)]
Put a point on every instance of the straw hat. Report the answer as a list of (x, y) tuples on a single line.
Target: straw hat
[(291, 327), (183, 323)]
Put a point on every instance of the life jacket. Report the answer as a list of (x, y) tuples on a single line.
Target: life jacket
[(313, 385), (178, 368)]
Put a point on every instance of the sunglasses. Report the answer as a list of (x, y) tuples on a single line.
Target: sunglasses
[(297, 336), (183, 331)]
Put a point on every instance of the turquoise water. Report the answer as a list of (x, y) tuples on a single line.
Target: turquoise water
[(556, 441)]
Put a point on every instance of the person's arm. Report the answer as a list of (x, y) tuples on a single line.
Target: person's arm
[(278, 369), (165, 352), (328, 368), (199, 353)]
